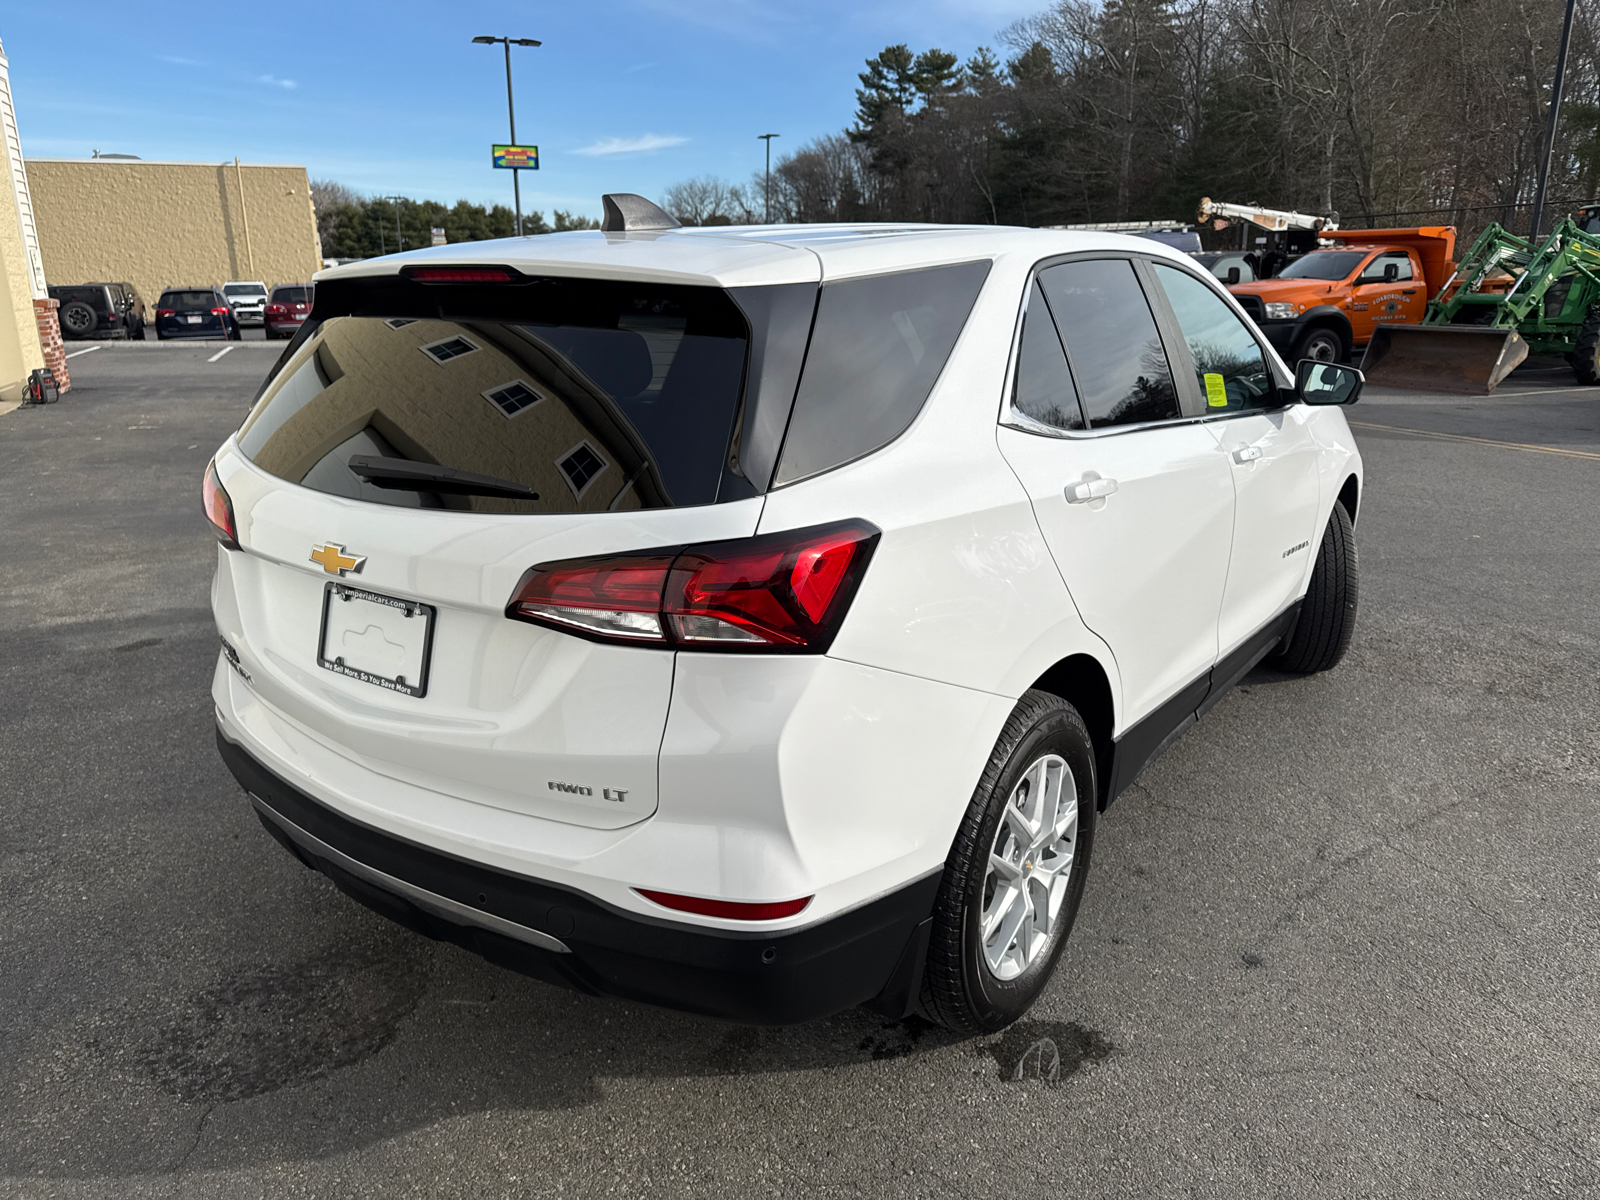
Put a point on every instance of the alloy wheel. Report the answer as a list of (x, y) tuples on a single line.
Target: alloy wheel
[(1030, 865)]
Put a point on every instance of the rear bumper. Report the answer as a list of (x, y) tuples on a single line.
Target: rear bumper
[(869, 954)]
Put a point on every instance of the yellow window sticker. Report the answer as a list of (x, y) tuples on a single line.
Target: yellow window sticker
[(1216, 391)]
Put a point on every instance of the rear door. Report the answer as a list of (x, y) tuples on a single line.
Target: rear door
[(1132, 494), (1269, 449), (371, 618)]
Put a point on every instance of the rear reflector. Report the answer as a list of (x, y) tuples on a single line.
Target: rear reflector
[(785, 592), (461, 274), (219, 509), (732, 910)]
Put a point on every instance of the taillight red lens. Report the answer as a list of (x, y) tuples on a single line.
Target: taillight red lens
[(219, 509), (778, 592), (221, 312), (166, 312), (733, 910), (616, 598), (276, 310)]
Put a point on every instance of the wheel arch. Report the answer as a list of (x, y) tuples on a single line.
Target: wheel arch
[(1350, 496), (1082, 682)]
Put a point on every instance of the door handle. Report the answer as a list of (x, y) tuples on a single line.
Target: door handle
[(1244, 454), (1408, 291), (1090, 489)]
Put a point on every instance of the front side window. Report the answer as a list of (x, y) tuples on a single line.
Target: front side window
[(1043, 391), (1398, 259), (595, 395), (1228, 363), (1118, 361), (877, 348)]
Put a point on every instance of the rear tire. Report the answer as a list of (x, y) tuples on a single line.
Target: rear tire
[(1016, 870), (1321, 344), (1585, 356), (1328, 614)]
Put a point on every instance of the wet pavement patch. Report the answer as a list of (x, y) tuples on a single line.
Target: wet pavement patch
[(278, 1026), (1046, 1050)]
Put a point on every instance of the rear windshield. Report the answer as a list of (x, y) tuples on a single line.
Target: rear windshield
[(596, 396), (94, 297), (243, 289), (1332, 265), (188, 300), (291, 295)]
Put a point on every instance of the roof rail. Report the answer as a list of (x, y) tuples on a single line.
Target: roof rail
[(629, 213)]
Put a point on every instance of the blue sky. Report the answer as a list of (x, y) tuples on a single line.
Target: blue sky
[(624, 95)]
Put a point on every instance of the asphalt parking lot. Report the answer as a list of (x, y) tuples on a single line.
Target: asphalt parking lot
[(1342, 940)]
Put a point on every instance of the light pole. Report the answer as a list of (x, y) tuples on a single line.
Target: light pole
[(766, 194), (508, 42), (1555, 115), (399, 241)]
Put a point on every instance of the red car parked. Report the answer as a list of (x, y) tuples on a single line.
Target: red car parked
[(287, 308)]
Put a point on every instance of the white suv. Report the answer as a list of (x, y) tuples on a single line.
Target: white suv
[(754, 621), (248, 299)]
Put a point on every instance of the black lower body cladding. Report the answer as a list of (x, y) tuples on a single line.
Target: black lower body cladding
[(758, 978)]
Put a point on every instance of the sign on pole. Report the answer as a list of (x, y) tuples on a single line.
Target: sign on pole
[(438, 236), (515, 158)]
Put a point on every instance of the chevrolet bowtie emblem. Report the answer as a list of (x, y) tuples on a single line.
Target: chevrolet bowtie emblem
[(336, 562)]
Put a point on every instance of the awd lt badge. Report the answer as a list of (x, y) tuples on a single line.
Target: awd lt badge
[(336, 562)]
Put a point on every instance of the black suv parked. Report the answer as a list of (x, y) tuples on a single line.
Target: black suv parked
[(100, 310)]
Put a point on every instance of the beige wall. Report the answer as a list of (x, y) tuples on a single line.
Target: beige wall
[(20, 353), (159, 225)]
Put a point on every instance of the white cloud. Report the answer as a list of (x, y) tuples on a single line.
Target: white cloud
[(634, 145), (178, 62), (274, 81)]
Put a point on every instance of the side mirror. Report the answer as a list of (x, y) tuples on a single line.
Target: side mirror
[(1327, 383), (1391, 272), (1233, 275)]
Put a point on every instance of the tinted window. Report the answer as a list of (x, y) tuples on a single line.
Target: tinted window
[(877, 348), (188, 300), (1117, 358), (1228, 363), (235, 290), (598, 396), (1324, 264), (291, 295), (1044, 390), (94, 297)]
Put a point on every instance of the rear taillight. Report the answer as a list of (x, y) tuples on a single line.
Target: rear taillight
[(734, 910), (276, 310), (219, 509), (166, 312), (221, 312), (784, 592)]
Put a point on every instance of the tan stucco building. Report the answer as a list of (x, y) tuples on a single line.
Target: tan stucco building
[(168, 224), (26, 315)]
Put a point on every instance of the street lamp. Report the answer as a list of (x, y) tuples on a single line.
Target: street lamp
[(508, 42), (767, 193)]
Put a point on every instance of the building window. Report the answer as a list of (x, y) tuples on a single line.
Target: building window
[(444, 351), (579, 466), (400, 322), (513, 398)]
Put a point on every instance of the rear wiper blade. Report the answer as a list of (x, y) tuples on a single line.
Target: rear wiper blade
[(411, 476)]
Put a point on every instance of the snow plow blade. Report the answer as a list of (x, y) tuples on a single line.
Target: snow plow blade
[(1442, 358)]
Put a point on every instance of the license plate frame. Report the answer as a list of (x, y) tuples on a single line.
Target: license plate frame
[(336, 592)]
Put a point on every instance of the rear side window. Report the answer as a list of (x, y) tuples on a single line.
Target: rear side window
[(188, 300), (1118, 361), (1044, 391), (1228, 364), (597, 396), (877, 348)]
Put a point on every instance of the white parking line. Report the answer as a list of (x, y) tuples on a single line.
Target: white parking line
[(86, 350), (219, 354)]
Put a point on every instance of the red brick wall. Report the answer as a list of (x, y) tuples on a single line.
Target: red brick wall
[(55, 350)]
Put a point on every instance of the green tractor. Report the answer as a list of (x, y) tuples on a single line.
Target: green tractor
[(1470, 339)]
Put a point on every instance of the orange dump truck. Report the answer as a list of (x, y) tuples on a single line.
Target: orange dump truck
[(1327, 303)]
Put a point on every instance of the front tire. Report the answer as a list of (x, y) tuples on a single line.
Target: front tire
[(1321, 344), (1328, 614), (1014, 879)]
